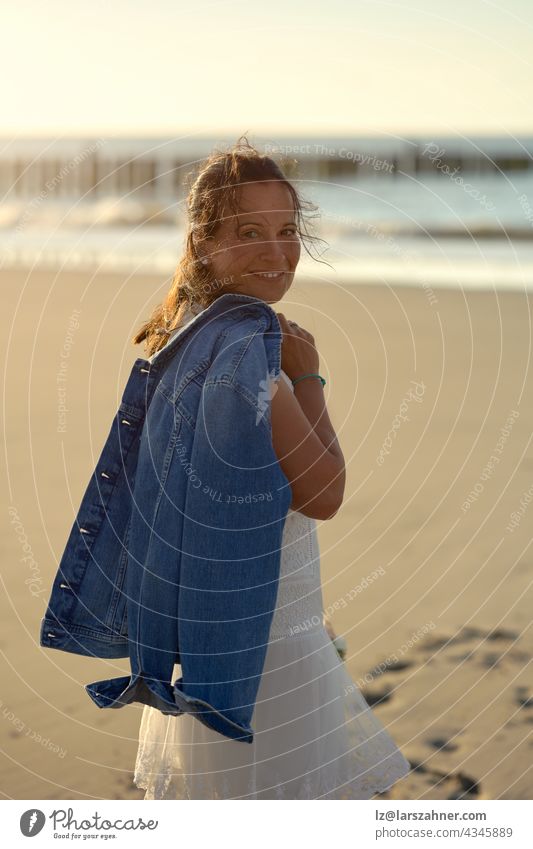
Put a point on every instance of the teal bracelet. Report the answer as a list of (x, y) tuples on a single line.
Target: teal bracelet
[(296, 379)]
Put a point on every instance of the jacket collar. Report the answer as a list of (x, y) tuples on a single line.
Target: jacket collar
[(228, 302)]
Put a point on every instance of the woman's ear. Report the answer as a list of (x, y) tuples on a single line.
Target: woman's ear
[(201, 254)]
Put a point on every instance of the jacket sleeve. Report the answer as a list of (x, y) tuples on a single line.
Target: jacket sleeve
[(235, 512), (236, 502)]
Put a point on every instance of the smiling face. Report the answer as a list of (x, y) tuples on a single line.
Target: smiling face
[(258, 250)]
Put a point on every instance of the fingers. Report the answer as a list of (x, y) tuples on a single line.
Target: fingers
[(286, 326), (289, 326), (287, 323)]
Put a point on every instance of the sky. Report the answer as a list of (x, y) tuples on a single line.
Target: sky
[(335, 67)]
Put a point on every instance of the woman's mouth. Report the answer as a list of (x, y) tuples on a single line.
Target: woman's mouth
[(268, 275)]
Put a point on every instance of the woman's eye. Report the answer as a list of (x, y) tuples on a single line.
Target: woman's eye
[(292, 231)]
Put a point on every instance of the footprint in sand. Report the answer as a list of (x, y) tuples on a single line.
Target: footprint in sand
[(491, 660), (523, 698), (458, 785), (375, 698), (384, 667), (479, 637), (442, 744), (438, 784), (434, 643), (502, 634)]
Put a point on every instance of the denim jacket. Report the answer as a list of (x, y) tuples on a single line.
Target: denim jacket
[(174, 555)]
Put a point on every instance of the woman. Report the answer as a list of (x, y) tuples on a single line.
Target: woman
[(315, 736)]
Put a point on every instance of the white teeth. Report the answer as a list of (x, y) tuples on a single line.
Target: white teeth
[(269, 274)]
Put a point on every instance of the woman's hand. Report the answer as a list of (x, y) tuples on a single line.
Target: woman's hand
[(298, 352)]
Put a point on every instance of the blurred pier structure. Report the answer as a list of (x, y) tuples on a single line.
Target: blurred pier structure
[(149, 169)]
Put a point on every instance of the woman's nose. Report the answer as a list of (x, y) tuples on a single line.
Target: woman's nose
[(275, 249)]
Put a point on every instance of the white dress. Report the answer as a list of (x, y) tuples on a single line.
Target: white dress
[(315, 736)]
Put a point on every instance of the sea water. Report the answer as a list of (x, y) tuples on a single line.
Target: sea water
[(385, 229)]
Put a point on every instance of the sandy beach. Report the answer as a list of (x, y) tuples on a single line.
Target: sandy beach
[(426, 569)]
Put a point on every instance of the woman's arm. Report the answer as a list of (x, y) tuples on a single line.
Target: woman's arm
[(316, 473), (311, 397)]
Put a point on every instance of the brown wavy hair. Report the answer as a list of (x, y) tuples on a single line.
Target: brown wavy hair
[(211, 189)]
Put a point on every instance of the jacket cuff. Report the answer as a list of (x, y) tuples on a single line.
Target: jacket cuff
[(118, 692)]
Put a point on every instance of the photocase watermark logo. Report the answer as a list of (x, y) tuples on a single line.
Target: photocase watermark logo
[(267, 390), (30, 732), (51, 184), (34, 581), (65, 825), (61, 377), (195, 482), (65, 820), (516, 516), (372, 230), (323, 150), (435, 154), (412, 395), (526, 208), (488, 471), (32, 822)]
